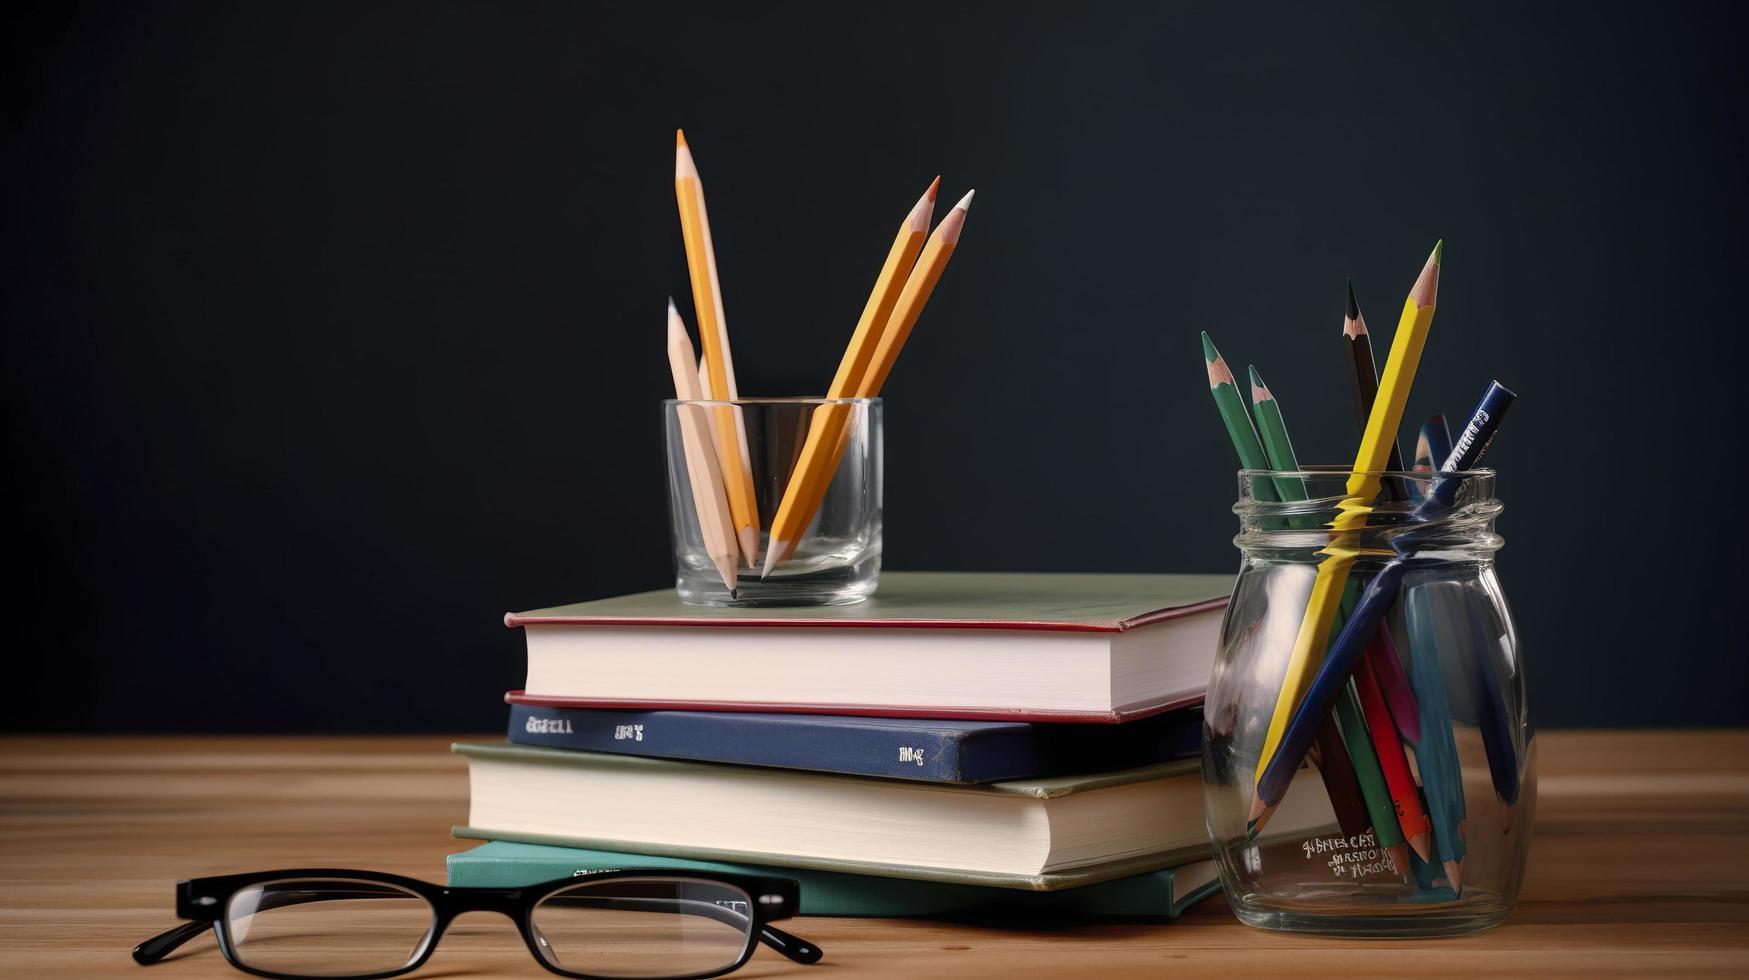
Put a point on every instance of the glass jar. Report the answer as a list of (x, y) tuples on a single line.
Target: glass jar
[(836, 560), (1342, 853)]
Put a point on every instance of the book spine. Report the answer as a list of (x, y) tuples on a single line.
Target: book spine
[(789, 742), (829, 893)]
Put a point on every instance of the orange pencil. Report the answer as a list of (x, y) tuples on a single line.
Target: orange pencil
[(875, 351), (713, 334)]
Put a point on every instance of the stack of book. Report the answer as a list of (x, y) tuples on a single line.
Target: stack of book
[(958, 744)]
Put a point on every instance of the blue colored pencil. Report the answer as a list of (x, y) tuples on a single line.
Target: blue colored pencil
[(1436, 753), (1432, 445), (1381, 592), (1492, 714)]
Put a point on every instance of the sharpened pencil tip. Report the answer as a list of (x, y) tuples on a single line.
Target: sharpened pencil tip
[(966, 202), (1259, 390), (1209, 353), (934, 187), (1422, 844), (672, 309), (1399, 855), (680, 139), (734, 593), (1353, 304), (1426, 289)]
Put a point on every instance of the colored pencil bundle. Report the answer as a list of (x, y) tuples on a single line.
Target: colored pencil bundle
[(907, 278), (1346, 700)]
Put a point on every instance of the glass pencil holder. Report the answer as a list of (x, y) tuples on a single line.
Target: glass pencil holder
[(1402, 799), (775, 501)]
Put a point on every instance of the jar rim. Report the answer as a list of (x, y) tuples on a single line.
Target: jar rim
[(772, 400), (1325, 473)]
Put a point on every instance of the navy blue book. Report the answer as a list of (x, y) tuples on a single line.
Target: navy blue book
[(895, 748)]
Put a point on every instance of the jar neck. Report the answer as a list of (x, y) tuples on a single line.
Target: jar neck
[(1292, 515)]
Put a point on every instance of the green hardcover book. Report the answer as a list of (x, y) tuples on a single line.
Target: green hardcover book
[(1157, 894)]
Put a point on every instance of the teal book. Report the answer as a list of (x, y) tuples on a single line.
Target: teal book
[(1157, 894)]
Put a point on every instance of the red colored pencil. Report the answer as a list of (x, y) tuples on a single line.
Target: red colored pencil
[(1411, 815)]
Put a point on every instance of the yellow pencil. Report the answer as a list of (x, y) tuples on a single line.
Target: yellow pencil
[(918, 287), (703, 473), (1363, 487), (713, 335), (828, 434)]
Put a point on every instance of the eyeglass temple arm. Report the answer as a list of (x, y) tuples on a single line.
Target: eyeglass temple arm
[(794, 947), (165, 943)]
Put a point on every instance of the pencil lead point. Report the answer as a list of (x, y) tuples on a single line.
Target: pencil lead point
[(1209, 353), (1399, 855), (1423, 845), (734, 594), (680, 139), (672, 311), (1438, 251), (934, 186), (1353, 304), (966, 202), (1259, 390)]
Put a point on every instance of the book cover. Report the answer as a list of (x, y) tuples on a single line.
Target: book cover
[(1039, 788), (1088, 649), (1157, 894), (1140, 819), (931, 600), (929, 750)]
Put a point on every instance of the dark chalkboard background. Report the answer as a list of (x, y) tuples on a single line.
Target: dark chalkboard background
[(332, 331)]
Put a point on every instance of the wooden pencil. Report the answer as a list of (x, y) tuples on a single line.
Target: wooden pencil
[(1344, 776), (703, 471), (1394, 763), (1385, 828), (919, 286), (1387, 665), (1344, 654), (1340, 783), (1437, 753), (1363, 487), (791, 521), (1432, 446), (1364, 373), (824, 447), (713, 334), (1272, 432), (1228, 402)]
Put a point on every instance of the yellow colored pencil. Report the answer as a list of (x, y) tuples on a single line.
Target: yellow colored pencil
[(713, 335), (715, 522), (875, 349), (1363, 487)]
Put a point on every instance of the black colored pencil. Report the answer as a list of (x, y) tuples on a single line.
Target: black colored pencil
[(1366, 384)]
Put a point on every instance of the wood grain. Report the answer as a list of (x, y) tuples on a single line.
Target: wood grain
[(1638, 867)]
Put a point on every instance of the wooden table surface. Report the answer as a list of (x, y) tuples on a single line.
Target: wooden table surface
[(1639, 866)]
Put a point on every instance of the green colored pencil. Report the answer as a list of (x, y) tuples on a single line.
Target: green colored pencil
[(1372, 780), (1272, 428), (1352, 720), (1238, 421)]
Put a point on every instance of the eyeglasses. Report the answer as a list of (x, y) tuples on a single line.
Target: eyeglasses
[(605, 924)]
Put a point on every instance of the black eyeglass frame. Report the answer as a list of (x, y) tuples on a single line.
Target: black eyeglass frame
[(203, 901)]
